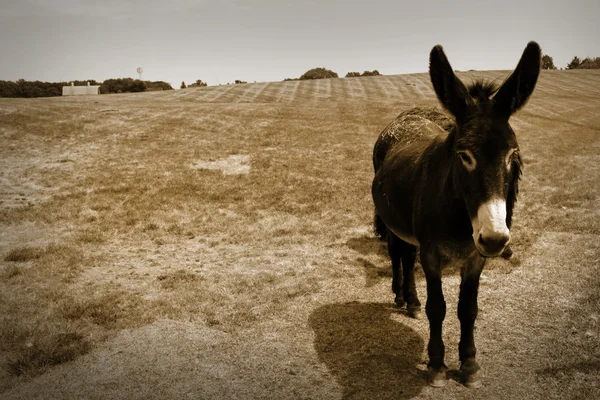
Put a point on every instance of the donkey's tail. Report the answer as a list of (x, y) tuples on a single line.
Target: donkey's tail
[(380, 228)]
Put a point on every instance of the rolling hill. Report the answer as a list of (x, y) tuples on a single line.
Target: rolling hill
[(216, 242)]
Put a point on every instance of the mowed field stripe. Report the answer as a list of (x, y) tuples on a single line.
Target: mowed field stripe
[(420, 85), (203, 93), (305, 91), (372, 88), (288, 91), (587, 81), (323, 89), (387, 89), (410, 84), (250, 92), (266, 94), (227, 95), (212, 92), (350, 88)]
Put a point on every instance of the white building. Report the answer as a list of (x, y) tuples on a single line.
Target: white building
[(80, 90)]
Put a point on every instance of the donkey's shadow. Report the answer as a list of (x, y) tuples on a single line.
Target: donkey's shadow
[(368, 245), (371, 247), (370, 355)]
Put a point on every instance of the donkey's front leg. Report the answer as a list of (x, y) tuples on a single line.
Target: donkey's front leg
[(467, 313), (435, 309)]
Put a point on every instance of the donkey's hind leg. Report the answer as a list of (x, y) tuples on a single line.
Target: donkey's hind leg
[(403, 257), (395, 250), (409, 254)]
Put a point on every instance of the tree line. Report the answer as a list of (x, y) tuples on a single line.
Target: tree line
[(23, 88), (586, 63), (366, 73), (576, 63)]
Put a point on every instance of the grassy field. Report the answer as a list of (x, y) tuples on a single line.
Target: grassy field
[(217, 243)]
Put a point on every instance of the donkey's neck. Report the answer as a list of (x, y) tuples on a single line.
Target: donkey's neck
[(450, 181)]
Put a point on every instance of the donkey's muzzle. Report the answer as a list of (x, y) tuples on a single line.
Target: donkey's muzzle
[(490, 233), (492, 245)]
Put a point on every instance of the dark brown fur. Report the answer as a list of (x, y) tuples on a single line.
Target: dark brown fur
[(424, 196)]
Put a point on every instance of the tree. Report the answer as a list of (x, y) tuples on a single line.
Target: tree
[(590, 63), (366, 73), (10, 89), (575, 63), (586, 63), (547, 62), (182, 85), (158, 85), (198, 83), (318, 73), (369, 73), (122, 85)]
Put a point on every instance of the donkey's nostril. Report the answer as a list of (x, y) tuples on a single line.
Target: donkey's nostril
[(480, 240), (493, 244)]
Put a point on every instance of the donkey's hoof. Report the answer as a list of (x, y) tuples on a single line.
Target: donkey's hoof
[(414, 311), (437, 377), (399, 300), (470, 374), (472, 381)]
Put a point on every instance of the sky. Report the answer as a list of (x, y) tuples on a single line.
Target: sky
[(219, 41)]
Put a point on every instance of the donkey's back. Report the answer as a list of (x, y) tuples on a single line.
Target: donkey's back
[(412, 127)]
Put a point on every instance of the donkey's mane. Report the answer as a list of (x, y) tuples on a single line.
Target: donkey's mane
[(482, 90)]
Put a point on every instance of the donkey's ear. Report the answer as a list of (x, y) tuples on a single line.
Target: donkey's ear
[(451, 92), (517, 88)]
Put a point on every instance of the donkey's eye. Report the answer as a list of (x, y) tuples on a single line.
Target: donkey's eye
[(466, 157)]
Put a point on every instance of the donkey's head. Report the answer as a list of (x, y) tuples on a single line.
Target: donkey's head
[(486, 161)]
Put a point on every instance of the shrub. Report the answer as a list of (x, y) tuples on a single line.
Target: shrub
[(587, 63), (547, 62), (590, 63), (366, 73), (575, 63), (369, 73), (122, 85), (158, 85), (318, 73), (198, 83)]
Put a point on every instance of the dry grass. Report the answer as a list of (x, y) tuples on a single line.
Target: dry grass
[(245, 211), (178, 280), (46, 350), (21, 254)]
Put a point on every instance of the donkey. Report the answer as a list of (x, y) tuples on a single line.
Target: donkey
[(447, 186)]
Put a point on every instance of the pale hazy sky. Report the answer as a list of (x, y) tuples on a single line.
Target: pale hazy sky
[(219, 41)]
